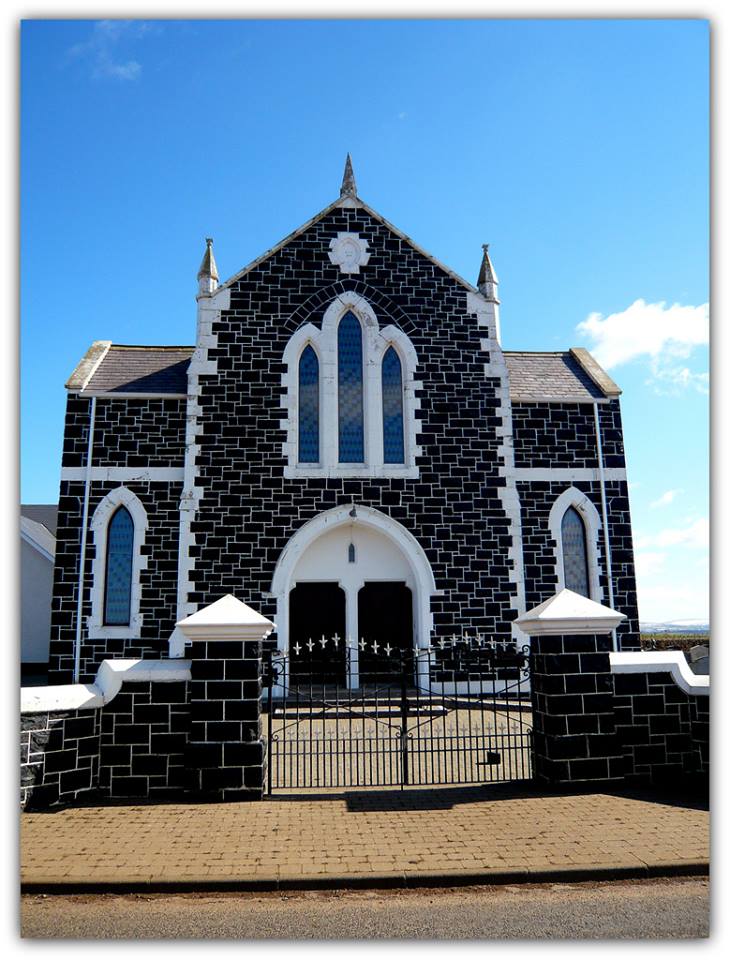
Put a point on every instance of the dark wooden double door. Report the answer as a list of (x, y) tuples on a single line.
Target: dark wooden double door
[(318, 610)]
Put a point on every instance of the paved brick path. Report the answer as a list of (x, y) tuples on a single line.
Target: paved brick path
[(365, 837)]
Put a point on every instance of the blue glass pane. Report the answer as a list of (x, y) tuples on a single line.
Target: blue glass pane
[(349, 379), (309, 407), (120, 543), (393, 449), (575, 558)]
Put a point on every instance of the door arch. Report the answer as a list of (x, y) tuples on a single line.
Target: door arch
[(381, 544)]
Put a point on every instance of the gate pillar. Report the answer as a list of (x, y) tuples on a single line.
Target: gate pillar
[(225, 758), (574, 735)]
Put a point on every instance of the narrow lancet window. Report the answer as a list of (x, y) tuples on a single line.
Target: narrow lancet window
[(118, 580), (575, 555), (393, 447), (308, 406), (350, 390)]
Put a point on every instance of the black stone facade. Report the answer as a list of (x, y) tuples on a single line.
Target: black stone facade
[(248, 510), (564, 435), (453, 508), (128, 432), (539, 549), (158, 581)]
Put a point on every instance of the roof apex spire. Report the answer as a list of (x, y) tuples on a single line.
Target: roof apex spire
[(349, 187), (208, 266), (487, 282), (208, 273)]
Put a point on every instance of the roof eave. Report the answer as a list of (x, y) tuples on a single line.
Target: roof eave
[(88, 365), (595, 371)]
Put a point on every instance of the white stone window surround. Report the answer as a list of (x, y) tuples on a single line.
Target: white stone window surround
[(375, 344), (97, 629), (572, 497)]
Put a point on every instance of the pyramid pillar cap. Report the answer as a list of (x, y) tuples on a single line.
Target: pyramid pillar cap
[(226, 619), (569, 612)]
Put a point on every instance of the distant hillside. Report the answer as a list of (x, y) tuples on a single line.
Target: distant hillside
[(676, 626)]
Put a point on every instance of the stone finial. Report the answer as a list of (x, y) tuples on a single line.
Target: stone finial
[(488, 281), (208, 273), (349, 187), (226, 619), (569, 612)]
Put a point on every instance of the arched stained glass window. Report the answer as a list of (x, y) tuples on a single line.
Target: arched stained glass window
[(575, 555), (393, 447), (308, 406), (118, 579), (349, 390)]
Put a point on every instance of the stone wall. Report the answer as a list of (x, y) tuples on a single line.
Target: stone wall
[(126, 736), (663, 731)]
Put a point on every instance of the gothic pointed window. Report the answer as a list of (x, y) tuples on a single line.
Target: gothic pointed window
[(350, 390), (118, 578), (575, 555), (308, 406), (393, 447)]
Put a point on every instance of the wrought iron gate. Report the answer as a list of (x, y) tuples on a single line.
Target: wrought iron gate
[(340, 715)]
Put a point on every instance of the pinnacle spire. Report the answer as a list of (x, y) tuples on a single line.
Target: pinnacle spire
[(208, 268), (487, 282), (349, 187)]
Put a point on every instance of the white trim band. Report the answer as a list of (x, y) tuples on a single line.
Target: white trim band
[(662, 661), (561, 474), (109, 679), (125, 474)]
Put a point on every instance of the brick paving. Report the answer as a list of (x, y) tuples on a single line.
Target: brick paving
[(389, 837)]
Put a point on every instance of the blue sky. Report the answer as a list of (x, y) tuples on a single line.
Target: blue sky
[(577, 149)]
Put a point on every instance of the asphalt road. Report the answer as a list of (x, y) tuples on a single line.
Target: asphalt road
[(648, 909)]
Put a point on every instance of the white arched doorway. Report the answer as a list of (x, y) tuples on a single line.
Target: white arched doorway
[(354, 547)]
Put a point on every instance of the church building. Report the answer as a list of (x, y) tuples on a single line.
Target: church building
[(347, 448)]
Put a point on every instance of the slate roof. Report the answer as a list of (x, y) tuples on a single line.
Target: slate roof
[(136, 369), (534, 377), (44, 513), (550, 376)]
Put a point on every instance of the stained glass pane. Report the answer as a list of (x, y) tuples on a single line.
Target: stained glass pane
[(575, 558), (349, 391), (393, 449), (309, 407), (120, 543)]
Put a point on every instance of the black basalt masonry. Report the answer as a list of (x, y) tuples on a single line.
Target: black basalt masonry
[(59, 757), (225, 756), (574, 732), (158, 581), (132, 746), (539, 548), (249, 510), (663, 732), (560, 435)]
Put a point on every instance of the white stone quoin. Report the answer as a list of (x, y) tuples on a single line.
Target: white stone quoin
[(226, 619), (569, 612)]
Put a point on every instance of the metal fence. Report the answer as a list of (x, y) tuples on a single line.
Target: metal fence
[(339, 715)]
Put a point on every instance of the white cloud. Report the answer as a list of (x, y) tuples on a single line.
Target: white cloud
[(100, 50), (657, 334), (665, 499), (696, 536)]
